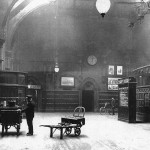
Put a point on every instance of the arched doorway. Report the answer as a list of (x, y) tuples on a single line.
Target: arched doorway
[(88, 96), (88, 100)]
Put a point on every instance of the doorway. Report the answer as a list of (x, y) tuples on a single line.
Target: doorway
[(88, 100), (36, 97)]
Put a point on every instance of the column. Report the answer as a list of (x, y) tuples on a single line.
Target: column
[(1, 53)]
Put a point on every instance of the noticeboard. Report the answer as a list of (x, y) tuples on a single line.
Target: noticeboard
[(113, 83), (67, 81), (123, 97)]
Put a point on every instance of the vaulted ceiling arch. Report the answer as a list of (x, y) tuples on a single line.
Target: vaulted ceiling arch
[(19, 9), (16, 12)]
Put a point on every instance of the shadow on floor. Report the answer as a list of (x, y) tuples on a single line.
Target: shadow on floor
[(11, 133)]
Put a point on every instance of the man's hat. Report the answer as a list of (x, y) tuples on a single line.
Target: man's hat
[(29, 97)]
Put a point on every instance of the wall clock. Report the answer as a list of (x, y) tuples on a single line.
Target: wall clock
[(92, 60)]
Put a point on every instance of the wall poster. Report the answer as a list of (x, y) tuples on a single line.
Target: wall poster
[(123, 96), (111, 70), (113, 83), (67, 81), (119, 70)]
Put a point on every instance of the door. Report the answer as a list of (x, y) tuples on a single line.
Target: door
[(88, 100)]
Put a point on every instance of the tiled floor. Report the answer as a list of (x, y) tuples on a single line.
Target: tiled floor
[(100, 132)]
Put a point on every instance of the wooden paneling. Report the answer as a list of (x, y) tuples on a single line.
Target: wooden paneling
[(143, 103), (106, 97), (13, 86), (60, 100)]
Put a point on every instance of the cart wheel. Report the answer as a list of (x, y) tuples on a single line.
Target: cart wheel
[(2, 130), (102, 110), (77, 131), (18, 129), (68, 131)]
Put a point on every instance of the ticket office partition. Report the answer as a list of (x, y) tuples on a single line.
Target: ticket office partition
[(127, 100)]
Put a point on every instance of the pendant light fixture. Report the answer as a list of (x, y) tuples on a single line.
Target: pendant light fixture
[(56, 69), (103, 6)]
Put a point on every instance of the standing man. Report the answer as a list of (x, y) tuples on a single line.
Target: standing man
[(113, 104), (29, 111)]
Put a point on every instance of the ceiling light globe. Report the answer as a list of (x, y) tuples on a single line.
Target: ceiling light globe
[(56, 69), (103, 6)]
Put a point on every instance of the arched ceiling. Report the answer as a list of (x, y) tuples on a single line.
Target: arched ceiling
[(41, 27), (19, 9)]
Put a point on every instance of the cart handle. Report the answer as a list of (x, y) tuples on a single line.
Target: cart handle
[(79, 111)]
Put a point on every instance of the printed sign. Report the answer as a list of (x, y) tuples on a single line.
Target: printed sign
[(34, 87), (67, 81), (123, 96), (113, 83), (111, 70), (119, 70)]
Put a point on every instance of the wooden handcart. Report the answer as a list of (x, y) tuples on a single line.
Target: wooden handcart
[(68, 123), (10, 117)]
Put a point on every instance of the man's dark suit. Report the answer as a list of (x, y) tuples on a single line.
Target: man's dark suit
[(29, 111)]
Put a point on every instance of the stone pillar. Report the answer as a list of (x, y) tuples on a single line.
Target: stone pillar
[(1, 53)]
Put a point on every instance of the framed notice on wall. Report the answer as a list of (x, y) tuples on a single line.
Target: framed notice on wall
[(111, 70), (113, 83), (119, 70), (67, 81)]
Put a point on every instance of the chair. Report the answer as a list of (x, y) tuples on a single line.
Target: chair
[(76, 118), (79, 111)]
